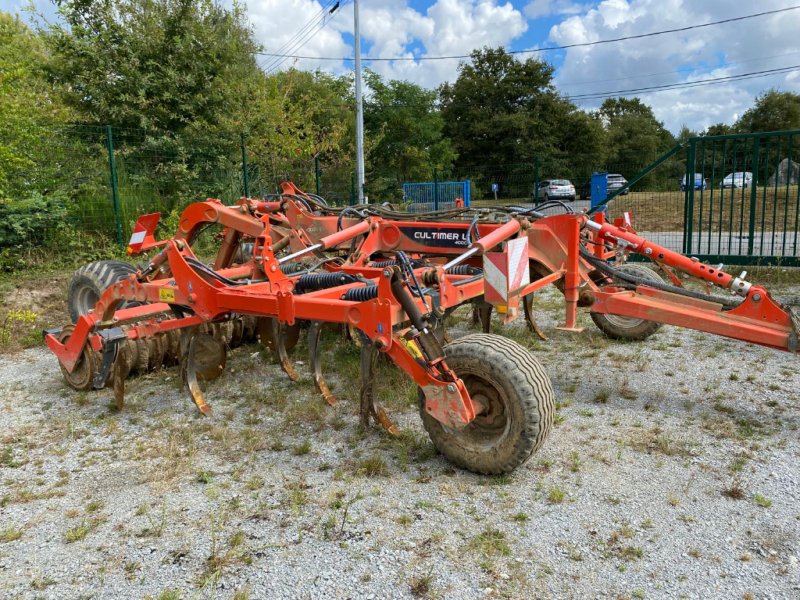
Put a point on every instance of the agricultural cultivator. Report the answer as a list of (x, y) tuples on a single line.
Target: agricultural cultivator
[(290, 264)]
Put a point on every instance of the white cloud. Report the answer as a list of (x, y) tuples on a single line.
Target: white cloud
[(277, 23), (390, 28), (718, 51), (536, 9)]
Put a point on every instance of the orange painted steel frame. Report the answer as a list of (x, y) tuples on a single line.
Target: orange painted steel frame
[(554, 247)]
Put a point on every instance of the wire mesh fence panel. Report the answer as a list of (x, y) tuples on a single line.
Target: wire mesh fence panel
[(66, 183), (746, 202)]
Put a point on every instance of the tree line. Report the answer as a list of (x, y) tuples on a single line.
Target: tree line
[(181, 83)]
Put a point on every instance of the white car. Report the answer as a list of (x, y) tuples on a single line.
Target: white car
[(739, 179), (557, 189)]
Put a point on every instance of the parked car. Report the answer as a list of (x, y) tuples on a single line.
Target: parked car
[(739, 179), (616, 181), (700, 183), (556, 189)]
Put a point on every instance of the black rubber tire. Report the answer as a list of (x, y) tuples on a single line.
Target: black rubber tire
[(90, 281), (625, 328), (517, 384)]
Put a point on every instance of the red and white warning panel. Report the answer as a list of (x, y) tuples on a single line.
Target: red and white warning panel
[(505, 274), (142, 237)]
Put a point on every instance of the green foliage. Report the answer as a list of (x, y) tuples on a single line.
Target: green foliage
[(407, 135), (501, 110), (33, 220), (28, 108), (633, 134), (772, 111)]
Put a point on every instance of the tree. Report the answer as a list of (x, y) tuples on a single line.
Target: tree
[(772, 111), (500, 110), (719, 129), (153, 64), (634, 136), (407, 132), (28, 110)]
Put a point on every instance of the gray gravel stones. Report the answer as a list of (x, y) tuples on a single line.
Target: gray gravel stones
[(672, 472)]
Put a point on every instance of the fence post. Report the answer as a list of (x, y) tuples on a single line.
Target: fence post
[(536, 180), (688, 212), (245, 170), (112, 166), (435, 189), (751, 230), (316, 174)]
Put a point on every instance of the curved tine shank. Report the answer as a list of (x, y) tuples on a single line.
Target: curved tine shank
[(279, 336), (314, 335), (527, 304), (120, 372), (189, 371), (369, 356)]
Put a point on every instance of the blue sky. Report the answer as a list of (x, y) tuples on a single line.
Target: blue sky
[(418, 28)]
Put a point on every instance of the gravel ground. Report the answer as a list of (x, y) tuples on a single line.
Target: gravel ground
[(672, 473)]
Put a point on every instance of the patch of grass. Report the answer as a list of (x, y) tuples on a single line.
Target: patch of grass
[(491, 542), (421, 586), (734, 490), (762, 501), (255, 483), (373, 466), (655, 440), (520, 517), (504, 479), (556, 495), (302, 449), (602, 396), (79, 532), (10, 534), (204, 477), (224, 556)]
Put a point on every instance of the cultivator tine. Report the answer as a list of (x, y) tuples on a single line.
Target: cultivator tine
[(527, 304), (280, 338), (484, 310), (203, 358), (120, 372), (315, 358), (279, 332), (367, 409)]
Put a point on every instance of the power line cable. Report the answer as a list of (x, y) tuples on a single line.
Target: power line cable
[(686, 84), (547, 48), (686, 70), (286, 47), (327, 14)]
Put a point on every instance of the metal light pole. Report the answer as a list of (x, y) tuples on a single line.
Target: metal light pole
[(359, 109)]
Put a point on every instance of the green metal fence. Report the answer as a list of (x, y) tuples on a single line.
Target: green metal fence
[(739, 204), (733, 198)]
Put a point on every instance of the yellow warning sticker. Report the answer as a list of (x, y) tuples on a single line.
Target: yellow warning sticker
[(412, 348), (166, 294)]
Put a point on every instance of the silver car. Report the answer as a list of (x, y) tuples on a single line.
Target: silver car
[(616, 181), (739, 179), (555, 189)]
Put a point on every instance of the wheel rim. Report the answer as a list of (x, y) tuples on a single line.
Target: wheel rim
[(86, 299), (623, 322), (492, 423), (83, 373)]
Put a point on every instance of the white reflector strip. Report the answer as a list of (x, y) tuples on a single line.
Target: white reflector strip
[(137, 237)]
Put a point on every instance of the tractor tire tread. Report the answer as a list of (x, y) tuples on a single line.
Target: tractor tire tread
[(637, 333), (504, 360), (92, 280)]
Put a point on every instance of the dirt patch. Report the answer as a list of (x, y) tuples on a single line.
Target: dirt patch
[(28, 305)]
